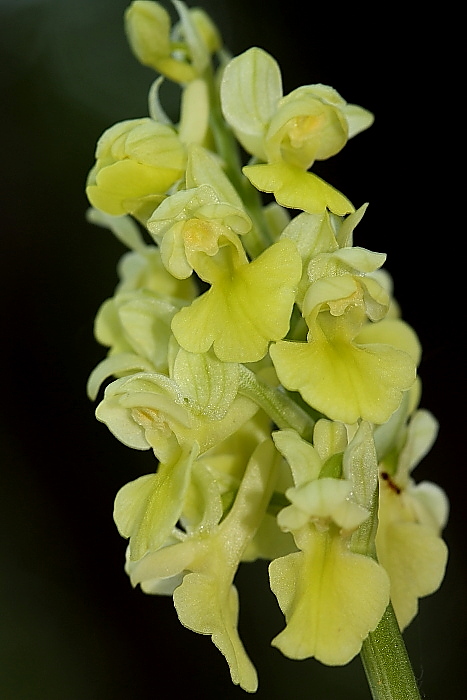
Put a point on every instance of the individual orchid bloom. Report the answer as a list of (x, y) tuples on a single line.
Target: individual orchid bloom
[(193, 222), (342, 377), (336, 372), (226, 463), (411, 518), (331, 595), (287, 134), (247, 306), (198, 404), (318, 234), (147, 410), (311, 123), (137, 161), (181, 54), (208, 556)]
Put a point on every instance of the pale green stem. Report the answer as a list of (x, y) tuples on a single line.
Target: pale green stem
[(285, 413), (383, 653), (386, 662)]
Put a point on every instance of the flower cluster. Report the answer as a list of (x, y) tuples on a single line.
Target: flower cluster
[(260, 355)]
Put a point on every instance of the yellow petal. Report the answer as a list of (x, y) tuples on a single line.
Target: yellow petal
[(244, 310), (147, 509), (297, 189), (413, 554), (205, 606), (119, 186), (331, 598), (345, 381)]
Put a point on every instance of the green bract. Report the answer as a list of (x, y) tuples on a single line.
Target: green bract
[(260, 354)]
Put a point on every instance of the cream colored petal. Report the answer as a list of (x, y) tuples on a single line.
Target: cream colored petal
[(331, 599), (297, 189), (415, 560)]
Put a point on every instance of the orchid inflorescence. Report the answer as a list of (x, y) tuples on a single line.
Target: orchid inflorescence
[(260, 355)]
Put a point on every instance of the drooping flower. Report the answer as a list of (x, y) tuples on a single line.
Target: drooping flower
[(197, 221), (191, 222), (331, 595), (206, 558), (411, 518)]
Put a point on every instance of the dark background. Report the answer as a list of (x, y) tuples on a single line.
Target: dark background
[(71, 627)]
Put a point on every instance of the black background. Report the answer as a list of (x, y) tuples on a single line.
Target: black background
[(71, 627)]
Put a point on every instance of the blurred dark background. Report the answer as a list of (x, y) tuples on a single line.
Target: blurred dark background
[(71, 627)]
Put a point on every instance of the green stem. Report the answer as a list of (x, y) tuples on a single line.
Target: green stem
[(386, 662), (285, 413), (383, 653)]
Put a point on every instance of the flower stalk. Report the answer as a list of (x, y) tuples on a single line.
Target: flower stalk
[(386, 662)]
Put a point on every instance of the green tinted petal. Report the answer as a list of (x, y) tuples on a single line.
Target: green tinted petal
[(250, 89), (119, 186), (421, 435), (147, 510), (203, 168), (320, 497), (123, 227), (122, 363), (305, 128), (147, 26), (194, 116), (303, 458), (208, 384), (358, 119), (329, 438), (430, 504), (360, 465)]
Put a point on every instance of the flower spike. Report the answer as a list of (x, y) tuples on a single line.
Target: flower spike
[(261, 355)]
